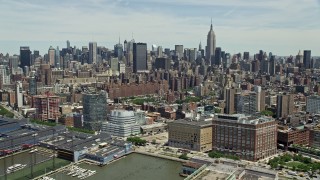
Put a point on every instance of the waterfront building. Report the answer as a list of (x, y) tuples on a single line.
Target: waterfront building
[(249, 137), (122, 123), (192, 135)]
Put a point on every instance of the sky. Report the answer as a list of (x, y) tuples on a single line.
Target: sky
[(279, 26)]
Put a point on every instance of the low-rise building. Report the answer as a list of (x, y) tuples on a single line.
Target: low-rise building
[(192, 135), (296, 135)]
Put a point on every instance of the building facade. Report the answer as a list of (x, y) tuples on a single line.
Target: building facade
[(192, 135), (47, 107), (122, 123), (94, 110), (313, 104), (251, 138), (139, 57)]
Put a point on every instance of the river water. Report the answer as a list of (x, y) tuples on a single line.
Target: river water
[(133, 167)]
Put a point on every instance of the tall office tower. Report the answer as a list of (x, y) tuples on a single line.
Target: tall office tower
[(47, 107), (19, 95), (94, 110), (272, 69), (32, 86), (200, 46), (118, 51), (211, 44), (229, 100), (125, 47), (260, 55), (51, 56), (114, 64), (139, 57), (167, 52), (159, 51), (162, 63), (25, 56), (285, 105), (178, 51), (57, 58), (248, 137), (122, 123), (307, 59), (246, 55), (192, 54), (265, 65), (68, 44), (92, 53), (246, 103), (299, 58), (217, 57), (186, 54), (13, 62)]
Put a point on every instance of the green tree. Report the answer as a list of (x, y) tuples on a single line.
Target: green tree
[(184, 156)]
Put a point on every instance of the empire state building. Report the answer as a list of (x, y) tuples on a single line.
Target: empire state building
[(211, 45)]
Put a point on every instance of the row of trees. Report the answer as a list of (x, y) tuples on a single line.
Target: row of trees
[(137, 141), (216, 154)]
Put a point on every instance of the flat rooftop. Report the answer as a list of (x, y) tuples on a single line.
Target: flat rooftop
[(192, 122)]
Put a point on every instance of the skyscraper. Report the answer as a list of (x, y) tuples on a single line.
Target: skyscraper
[(57, 58), (217, 58), (139, 57), (178, 51), (68, 44), (92, 53), (25, 58), (307, 59), (51, 56), (118, 51), (211, 44)]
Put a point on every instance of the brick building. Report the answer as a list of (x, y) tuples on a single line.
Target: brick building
[(297, 135), (251, 138)]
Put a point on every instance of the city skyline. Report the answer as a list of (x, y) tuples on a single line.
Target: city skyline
[(280, 27)]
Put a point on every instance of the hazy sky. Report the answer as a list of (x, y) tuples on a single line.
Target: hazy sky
[(280, 26)]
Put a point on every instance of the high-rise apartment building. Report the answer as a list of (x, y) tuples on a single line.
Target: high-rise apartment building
[(248, 137), (229, 99), (19, 95), (25, 56), (313, 104), (246, 102), (139, 57), (94, 110), (32, 86), (121, 123), (285, 105), (211, 44), (47, 107), (92, 53)]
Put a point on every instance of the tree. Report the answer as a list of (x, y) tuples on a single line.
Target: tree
[(154, 141), (267, 113), (184, 156)]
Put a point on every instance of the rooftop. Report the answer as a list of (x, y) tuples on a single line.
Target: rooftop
[(191, 122)]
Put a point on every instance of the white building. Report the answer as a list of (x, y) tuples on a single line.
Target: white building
[(4, 75), (19, 96), (122, 123)]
